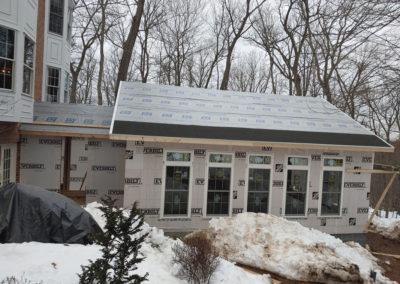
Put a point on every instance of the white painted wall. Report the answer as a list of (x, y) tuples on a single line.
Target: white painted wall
[(21, 16)]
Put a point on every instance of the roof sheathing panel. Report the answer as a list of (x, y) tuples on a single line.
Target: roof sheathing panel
[(170, 111), (204, 107), (73, 114)]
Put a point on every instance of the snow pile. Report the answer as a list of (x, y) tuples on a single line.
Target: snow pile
[(45, 263), (58, 263), (158, 252), (287, 248), (388, 227)]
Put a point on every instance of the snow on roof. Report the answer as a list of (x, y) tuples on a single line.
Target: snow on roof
[(171, 111)]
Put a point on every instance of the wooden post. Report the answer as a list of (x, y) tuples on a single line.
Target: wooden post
[(378, 204), (67, 164)]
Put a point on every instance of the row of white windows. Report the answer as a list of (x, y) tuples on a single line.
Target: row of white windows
[(219, 184), (7, 60)]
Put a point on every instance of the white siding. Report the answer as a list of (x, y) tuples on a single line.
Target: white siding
[(20, 16)]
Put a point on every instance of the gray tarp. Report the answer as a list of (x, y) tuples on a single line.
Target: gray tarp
[(29, 213)]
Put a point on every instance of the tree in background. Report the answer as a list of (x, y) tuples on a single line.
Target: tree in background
[(129, 43), (344, 51)]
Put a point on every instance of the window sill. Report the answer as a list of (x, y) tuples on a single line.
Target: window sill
[(56, 34), (330, 216), (169, 218), (27, 95), (7, 90), (295, 217), (216, 216)]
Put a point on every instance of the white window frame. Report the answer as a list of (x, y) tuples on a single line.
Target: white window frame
[(288, 167), (32, 69), (218, 165), (321, 184), (6, 170), (59, 84), (164, 182), (63, 20), (258, 166), (12, 60)]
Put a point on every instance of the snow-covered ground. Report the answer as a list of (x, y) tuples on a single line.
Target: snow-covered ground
[(388, 227), (291, 250), (259, 240), (58, 263)]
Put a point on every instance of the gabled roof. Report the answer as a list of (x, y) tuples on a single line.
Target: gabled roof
[(147, 110)]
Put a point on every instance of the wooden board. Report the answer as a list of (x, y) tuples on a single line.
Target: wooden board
[(248, 143), (8, 133)]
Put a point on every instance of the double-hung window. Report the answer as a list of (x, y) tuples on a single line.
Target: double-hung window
[(296, 186), (28, 66), (7, 44), (219, 184), (53, 84), (6, 166), (177, 183), (332, 181), (56, 16), (259, 182)]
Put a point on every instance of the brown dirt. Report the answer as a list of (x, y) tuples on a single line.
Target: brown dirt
[(379, 243), (274, 276)]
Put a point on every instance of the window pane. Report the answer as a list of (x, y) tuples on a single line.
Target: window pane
[(56, 16), (218, 203), (53, 87), (219, 180), (296, 192), (257, 202), (6, 166), (66, 88), (6, 71), (260, 160), (258, 193), (330, 204), (6, 43), (176, 190), (26, 84), (28, 52), (333, 162), (259, 179), (332, 181), (297, 161), (331, 192), (220, 158), (176, 156)]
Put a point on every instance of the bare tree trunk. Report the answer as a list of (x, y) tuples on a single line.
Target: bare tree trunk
[(127, 48), (101, 43), (74, 87), (227, 71)]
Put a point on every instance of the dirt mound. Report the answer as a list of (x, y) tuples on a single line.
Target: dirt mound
[(288, 249)]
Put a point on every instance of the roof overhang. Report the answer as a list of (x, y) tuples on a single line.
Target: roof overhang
[(65, 130), (193, 134)]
